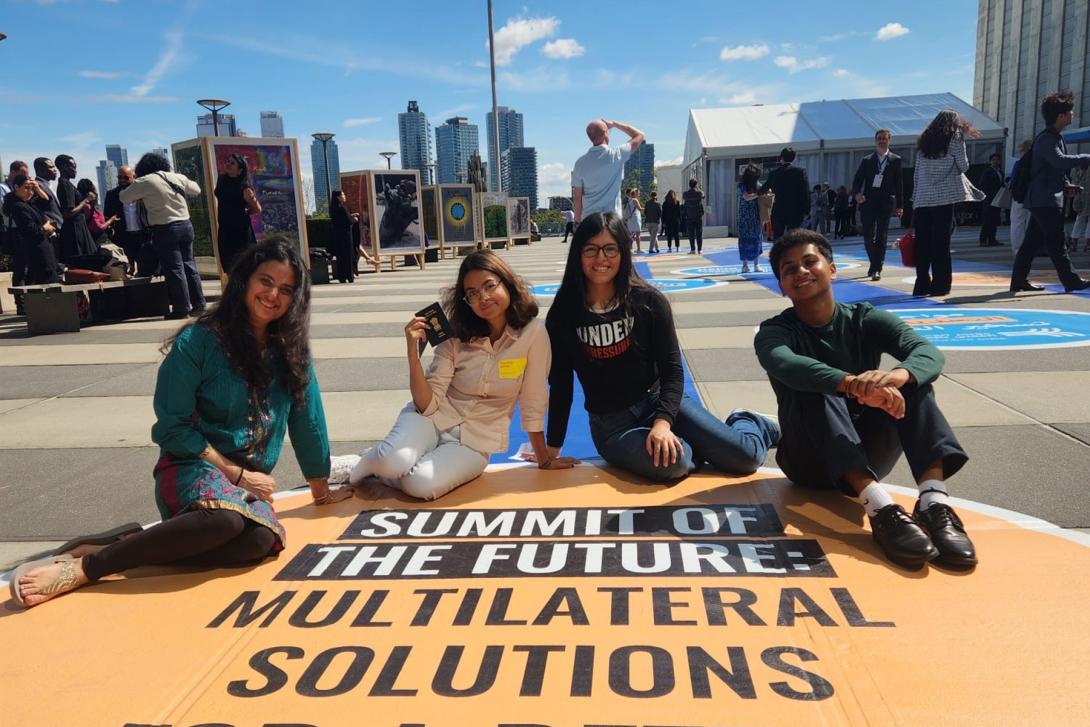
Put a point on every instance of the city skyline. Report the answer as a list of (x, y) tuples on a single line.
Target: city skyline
[(456, 140), (553, 65)]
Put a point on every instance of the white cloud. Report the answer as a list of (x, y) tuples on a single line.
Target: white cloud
[(563, 48), (363, 121), (794, 65), (519, 33), (853, 84), (739, 99), (554, 180), (133, 98), (744, 52), (84, 138), (669, 162), (169, 56), (103, 75), (537, 79), (842, 73), (889, 31), (455, 111)]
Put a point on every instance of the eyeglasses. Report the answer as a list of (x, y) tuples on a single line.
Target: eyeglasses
[(610, 250), (488, 288)]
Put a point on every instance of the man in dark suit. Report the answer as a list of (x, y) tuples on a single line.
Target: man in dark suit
[(990, 183), (792, 190), (131, 233), (878, 189)]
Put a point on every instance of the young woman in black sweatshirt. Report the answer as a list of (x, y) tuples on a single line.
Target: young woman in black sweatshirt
[(617, 334)]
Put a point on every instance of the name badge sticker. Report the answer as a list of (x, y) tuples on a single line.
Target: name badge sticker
[(877, 180), (512, 368)]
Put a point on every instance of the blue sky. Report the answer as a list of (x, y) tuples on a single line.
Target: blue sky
[(128, 71)]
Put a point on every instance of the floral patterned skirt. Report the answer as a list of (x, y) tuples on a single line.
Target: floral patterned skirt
[(185, 484)]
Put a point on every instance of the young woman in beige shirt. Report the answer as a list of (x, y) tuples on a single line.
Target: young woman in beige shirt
[(461, 407)]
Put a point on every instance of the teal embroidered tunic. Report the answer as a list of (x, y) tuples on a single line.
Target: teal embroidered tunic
[(201, 399)]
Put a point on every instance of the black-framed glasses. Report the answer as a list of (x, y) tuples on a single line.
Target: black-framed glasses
[(610, 250), (487, 288)]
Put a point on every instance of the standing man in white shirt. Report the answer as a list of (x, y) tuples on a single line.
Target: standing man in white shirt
[(569, 224), (597, 175)]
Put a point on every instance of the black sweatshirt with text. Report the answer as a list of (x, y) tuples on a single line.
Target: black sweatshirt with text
[(619, 356)]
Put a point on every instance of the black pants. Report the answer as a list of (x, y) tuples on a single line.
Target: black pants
[(875, 229), (783, 223), (673, 234), (344, 267), (989, 223), (140, 252), (933, 269), (174, 246), (825, 436), (695, 228), (843, 224), (1045, 231), (202, 538), (569, 229)]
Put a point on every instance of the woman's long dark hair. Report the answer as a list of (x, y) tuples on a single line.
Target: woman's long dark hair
[(671, 197), (466, 323), (935, 139), (750, 175), (572, 295), (243, 178), (334, 201), (288, 336)]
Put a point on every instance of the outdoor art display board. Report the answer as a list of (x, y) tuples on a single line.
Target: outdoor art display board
[(274, 172), (190, 160), (458, 205), (356, 187), (518, 217), (573, 597), (397, 229), (494, 218), (429, 210)]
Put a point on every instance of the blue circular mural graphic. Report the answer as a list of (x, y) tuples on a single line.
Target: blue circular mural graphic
[(997, 329), (457, 211), (666, 285)]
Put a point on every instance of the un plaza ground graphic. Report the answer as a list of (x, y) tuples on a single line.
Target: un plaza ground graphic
[(585, 597)]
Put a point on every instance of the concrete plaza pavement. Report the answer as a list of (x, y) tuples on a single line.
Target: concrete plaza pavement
[(75, 409)]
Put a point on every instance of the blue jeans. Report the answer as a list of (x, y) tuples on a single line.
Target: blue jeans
[(737, 446), (174, 245)]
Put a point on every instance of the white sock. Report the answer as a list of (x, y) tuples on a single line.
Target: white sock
[(873, 498), (932, 491)]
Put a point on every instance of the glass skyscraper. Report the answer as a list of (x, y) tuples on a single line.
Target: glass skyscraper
[(455, 142), (643, 161), (317, 165), (272, 124), (414, 132), (117, 154), (510, 128), (520, 173), (227, 127)]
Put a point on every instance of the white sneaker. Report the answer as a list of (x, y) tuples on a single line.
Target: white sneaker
[(756, 268), (745, 267), (340, 468)]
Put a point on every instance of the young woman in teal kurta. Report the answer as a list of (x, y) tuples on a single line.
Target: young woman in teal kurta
[(232, 385)]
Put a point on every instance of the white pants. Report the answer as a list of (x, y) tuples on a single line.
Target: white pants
[(419, 460), (1019, 223)]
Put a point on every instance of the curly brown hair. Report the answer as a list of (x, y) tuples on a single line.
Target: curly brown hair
[(467, 324)]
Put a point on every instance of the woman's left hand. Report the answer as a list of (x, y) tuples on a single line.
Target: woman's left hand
[(248, 194), (662, 444)]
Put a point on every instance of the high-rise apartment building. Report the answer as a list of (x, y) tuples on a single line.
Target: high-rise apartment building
[(455, 142), (414, 132), (520, 173), (560, 203), (643, 162), (272, 124), (510, 130), (1026, 49), (227, 127), (107, 178), (117, 154), (161, 151), (318, 167)]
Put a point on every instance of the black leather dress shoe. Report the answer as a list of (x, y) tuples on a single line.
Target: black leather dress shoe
[(948, 535), (1081, 285), (1026, 287), (876, 276), (902, 540)]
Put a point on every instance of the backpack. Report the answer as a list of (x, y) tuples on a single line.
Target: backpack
[(1023, 175)]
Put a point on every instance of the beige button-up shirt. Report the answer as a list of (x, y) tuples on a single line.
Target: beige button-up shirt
[(476, 385)]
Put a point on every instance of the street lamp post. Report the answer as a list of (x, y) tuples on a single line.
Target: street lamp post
[(324, 137), (389, 155), (215, 105), (495, 109)]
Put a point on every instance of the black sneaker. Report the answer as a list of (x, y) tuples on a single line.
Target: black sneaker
[(902, 540), (948, 534)]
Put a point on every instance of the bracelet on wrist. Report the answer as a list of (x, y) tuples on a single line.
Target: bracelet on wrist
[(241, 472)]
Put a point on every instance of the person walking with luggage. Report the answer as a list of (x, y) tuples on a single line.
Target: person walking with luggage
[(939, 183)]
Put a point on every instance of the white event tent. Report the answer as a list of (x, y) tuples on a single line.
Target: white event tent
[(830, 138)]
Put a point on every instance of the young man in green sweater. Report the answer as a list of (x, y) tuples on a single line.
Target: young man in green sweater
[(844, 422)]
